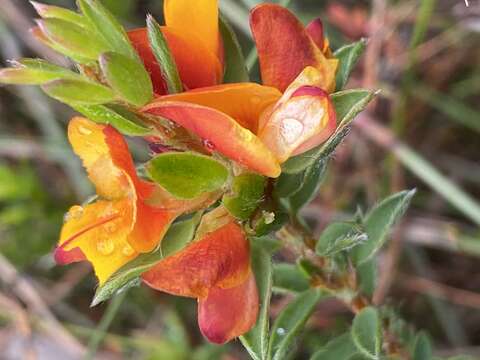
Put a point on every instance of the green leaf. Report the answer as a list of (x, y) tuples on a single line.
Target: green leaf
[(34, 72), (107, 27), (235, 68), (340, 348), (378, 224), (187, 175), (79, 92), (288, 184), (56, 12), (290, 323), (313, 178), (422, 349), (367, 276), (367, 333), (73, 38), (164, 57), (127, 77), (247, 194), (347, 104), (288, 278), (348, 56), (341, 236), (177, 237), (121, 119), (256, 340)]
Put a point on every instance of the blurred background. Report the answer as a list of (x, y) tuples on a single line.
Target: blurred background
[(422, 132)]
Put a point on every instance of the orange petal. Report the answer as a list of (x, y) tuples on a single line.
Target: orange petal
[(285, 48), (220, 259), (197, 65), (105, 155), (197, 20), (222, 133), (151, 224), (302, 122), (244, 102), (228, 313), (99, 231)]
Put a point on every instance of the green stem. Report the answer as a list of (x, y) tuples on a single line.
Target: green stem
[(100, 332)]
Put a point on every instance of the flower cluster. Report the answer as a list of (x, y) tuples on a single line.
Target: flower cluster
[(215, 144)]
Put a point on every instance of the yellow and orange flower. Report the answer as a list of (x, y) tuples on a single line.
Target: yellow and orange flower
[(193, 37), (215, 269), (121, 224), (256, 125)]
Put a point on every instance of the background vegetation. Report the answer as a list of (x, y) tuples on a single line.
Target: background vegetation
[(422, 132)]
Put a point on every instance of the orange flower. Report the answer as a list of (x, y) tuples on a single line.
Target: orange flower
[(256, 125), (193, 37), (114, 229), (252, 124), (273, 27), (215, 269)]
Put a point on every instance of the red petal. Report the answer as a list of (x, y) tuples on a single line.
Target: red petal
[(224, 134), (228, 313), (64, 257), (219, 259), (285, 48), (315, 31)]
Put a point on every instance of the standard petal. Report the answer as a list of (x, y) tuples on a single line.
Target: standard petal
[(285, 48), (300, 123), (244, 102), (228, 313), (221, 132), (220, 259), (99, 231), (197, 19), (197, 65)]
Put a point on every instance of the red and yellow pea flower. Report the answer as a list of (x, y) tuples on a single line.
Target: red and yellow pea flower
[(215, 269), (256, 125), (118, 226)]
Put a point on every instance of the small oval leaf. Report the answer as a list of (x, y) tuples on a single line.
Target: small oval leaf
[(34, 72), (290, 322), (422, 349), (164, 57), (379, 222), (247, 194), (289, 278), (348, 56), (78, 92), (127, 77), (107, 27), (72, 37), (367, 333), (187, 175), (121, 119), (341, 236), (56, 12), (340, 348)]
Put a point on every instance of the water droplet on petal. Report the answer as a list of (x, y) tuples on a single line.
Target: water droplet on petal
[(105, 247), (291, 129), (74, 213), (209, 145), (84, 131), (127, 250), (110, 227)]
